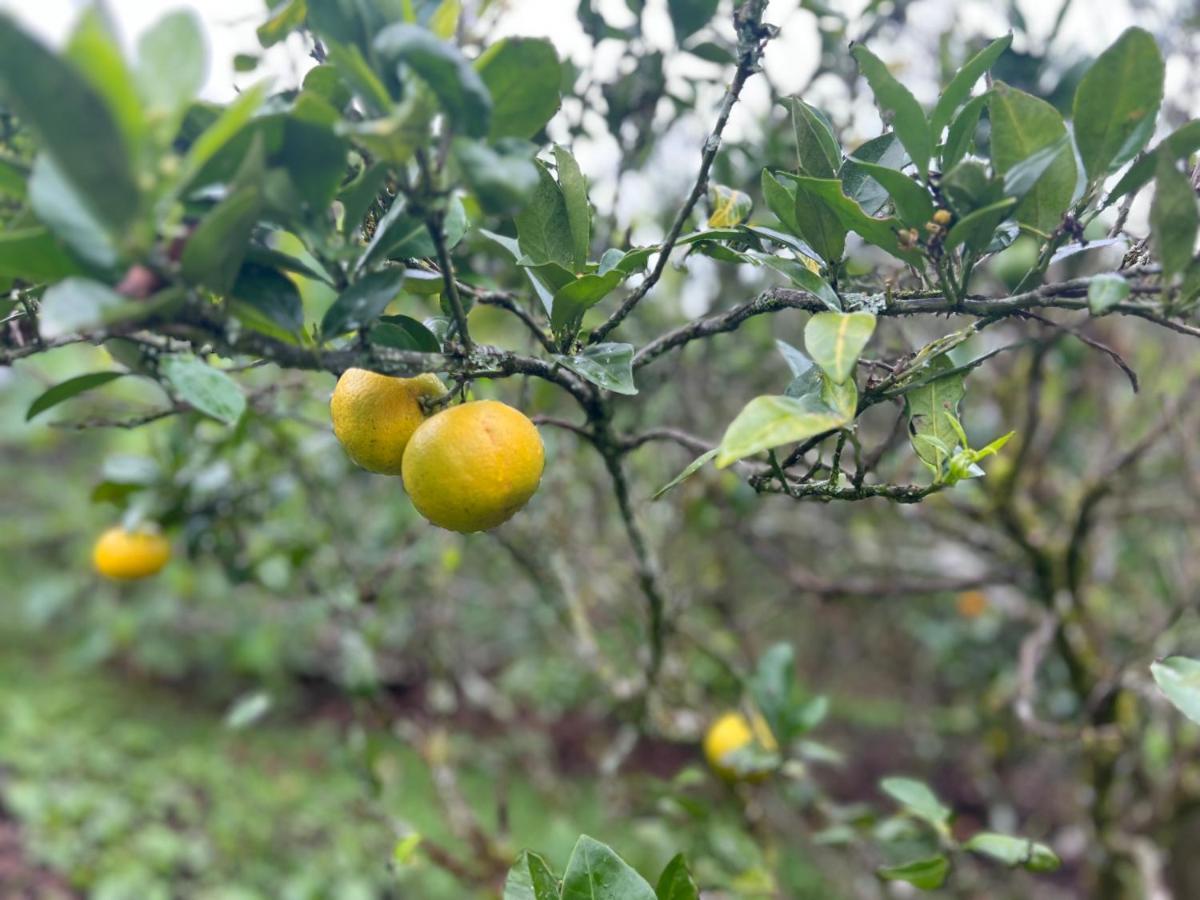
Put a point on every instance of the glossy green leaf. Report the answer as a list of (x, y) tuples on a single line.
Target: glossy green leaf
[(1179, 144), (691, 469), (770, 421), (730, 208), (579, 214), (399, 235), (595, 872), (676, 882), (1014, 851), (286, 17), (205, 389), (977, 228), (917, 799), (689, 16), (312, 153), (266, 299), (926, 874), (804, 278), (1173, 218), (962, 131), (885, 150), (1123, 87), (913, 203), (1021, 126), (65, 390), (96, 52), (573, 300), (898, 107), (214, 252), (816, 147), (530, 879), (55, 99), (503, 177), (33, 255), (359, 195), (609, 366), (927, 407), (80, 305), (780, 198), (544, 226), (835, 340), (363, 302), (1105, 291), (959, 88), (460, 90), (172, 67), (828, 195), (1022, 177), (404, 333), (523, 76), (1178, 677), (60, 206), (232, 120)]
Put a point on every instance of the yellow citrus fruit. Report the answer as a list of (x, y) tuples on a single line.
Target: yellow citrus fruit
[(130, 554), (731, 732), (470, 467), (375, 415)]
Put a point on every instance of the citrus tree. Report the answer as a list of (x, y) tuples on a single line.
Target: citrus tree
[(400, 218)]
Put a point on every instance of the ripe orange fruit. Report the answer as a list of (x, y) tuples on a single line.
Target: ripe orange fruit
[(731, 732), (472, 466), (972, 604), (130, 554), (374, 415)]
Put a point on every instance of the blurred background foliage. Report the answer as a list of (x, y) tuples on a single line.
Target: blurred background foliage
[(323, 696)]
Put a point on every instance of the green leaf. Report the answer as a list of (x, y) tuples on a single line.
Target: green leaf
[(96, 52), (363, 302), (1179, 144), (67, 389), (205, 389), (926, 874), (730, 208), (172, 68), (1179, 679), (898, 107), (817, 222), (217, 135), (959, 88), (1105, 291), (609, 366), (573, 300), (502, 178), (776, 692), (523, 76), (816, 147), (266, 299), (400, 235), (927, 407), (32, 254), (79, 305), (962, 131), (1021, 178), (404, 333), (1122, 89), (1173, 218), (247, 710), (913, 203), (530, 879), (312, 153), (348, 60), (918, 800), (885, 150), (1014, 851), (770, 421), (827, 194), (595, 872), (797, 362), (1021, 126), (579, 215), (689, 16), (691, 469), (544, 226), (286, 17), (358, 196), (214, 252), (60, 206), (460, 90), (804, 278), (676, 882), (781, 200), (834, 340), (54, 98), (977, 228)]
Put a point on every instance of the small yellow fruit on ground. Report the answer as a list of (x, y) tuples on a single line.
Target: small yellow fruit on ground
[(472, 466), (374, 415), (130, 554), (972, 604), (731, 732)]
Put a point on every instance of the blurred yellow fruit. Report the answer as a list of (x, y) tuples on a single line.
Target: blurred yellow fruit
[(731, 732), (972, 604), (375, 415), (130, 554), (472, 466)]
